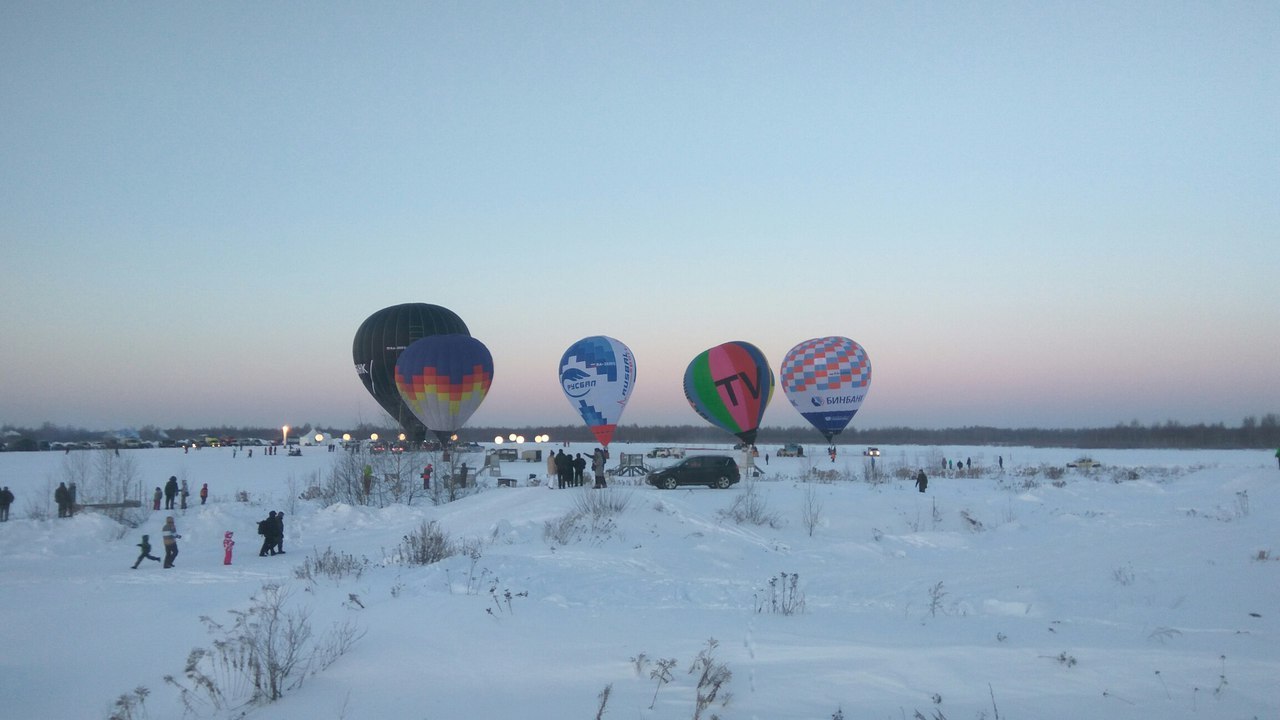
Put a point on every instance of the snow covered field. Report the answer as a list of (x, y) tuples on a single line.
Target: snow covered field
[(1147, 588)]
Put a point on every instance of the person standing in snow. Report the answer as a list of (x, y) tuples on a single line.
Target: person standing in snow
[(170, 492), (922, 481), (227, 544), (1277, 456), (564, 469), (579, 467), (204, 493), (183, 493), (279, 534), (426, 476), (170, 535), (145, 552), (552, 471), (6, 499), (597, 467), (267, 529), (155, 500), (62, 496)]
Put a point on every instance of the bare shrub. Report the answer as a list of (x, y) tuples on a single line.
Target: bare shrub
[(971, 523), (749, 508), (601, 502), (712, 677), (336, 566), (810, 509), (267, 650), (562, 530), (426, 545), (131, 705), (936, 594), (783, 595)]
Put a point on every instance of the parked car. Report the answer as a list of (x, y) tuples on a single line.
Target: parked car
[(718, 471), (791, 450)]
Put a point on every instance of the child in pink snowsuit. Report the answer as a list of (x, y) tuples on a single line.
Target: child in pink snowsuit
[(227, 544)]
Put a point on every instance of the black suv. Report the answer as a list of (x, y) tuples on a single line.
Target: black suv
[(710, 470)]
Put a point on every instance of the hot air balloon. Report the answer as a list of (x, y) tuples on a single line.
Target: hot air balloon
[(730, 386), (597, 374), (826, 379), (378, 344), (443, 379)]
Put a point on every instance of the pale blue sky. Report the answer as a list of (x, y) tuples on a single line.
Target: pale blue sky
[(1028, 213)]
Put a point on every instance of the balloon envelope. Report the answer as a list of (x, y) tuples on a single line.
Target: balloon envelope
[(826, 379), (730, 386), (443, 379), (378, 344), (597, 375)]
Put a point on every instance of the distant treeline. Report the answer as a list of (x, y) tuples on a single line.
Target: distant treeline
[(1252, 433)]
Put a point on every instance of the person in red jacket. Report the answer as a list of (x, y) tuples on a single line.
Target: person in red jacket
[(204, 495), (227, 544)]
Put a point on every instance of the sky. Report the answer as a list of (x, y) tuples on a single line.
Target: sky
[(1028, 214)]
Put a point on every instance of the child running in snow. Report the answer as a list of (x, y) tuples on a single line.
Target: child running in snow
[(145, 545)]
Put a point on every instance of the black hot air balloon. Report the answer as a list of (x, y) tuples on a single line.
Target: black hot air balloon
[(377, 346)]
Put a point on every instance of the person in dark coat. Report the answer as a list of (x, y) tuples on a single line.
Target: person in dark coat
[(62, 497), (922, 482), (564, 469), (6, 499), (267, 529), (145, 554), (170, 492), (279, 533), (579, 467), (170, 535)]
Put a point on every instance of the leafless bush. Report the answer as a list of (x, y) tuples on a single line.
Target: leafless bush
[(783, 595), (750, 508), (1123, 575), (712, 677), (661, 675), (267, 650), (426, 545), (936, 594), (336, 566), (130, 706), (562, 530), (601, 502), (810, 509), (603, 697), (577, 525), (971, 523)]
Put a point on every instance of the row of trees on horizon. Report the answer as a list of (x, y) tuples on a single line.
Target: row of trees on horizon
[(1252, 433)]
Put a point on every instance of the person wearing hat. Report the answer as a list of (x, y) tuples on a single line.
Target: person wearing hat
[(170, 535)]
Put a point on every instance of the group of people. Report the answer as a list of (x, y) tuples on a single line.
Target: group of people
[(169, 534), (65, 498), (272, 531), (571, 471), (175, 494)]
